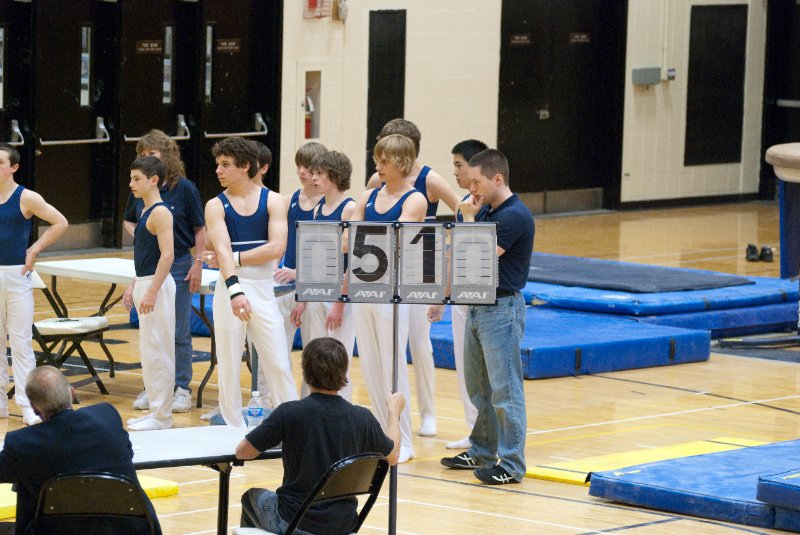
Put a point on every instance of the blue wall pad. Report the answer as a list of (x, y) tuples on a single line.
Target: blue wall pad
[(764, 291), (624, 276), (781, 489), (734, 321), (560, 343), (721, 485)]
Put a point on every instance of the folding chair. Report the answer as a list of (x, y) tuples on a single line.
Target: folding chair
[(70, 500), (67, 334), (352, 476)]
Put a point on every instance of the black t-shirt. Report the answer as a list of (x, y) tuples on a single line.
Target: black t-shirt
[(187, 212), (316, 432), (515, 230)]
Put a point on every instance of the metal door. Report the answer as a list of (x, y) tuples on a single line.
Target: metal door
[(75, 63), (239, 82), (15, 83), (157, 77)]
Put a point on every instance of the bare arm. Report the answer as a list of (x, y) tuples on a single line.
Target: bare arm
[(246, 451), (374, 181), (217, 233), (395, 403), (195, 274), (414, 208), (129, 227), (440, 190), (33, 204)]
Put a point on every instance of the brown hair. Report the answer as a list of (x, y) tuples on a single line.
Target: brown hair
[(336, 165), (150, 166), (305, 154), (170, 155), (241, 150), (325, 364), (404, 128), (491, 162)]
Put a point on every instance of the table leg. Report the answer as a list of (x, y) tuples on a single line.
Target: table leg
[(224, 470), (201, 313)]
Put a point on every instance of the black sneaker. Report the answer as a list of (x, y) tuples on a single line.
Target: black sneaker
[(766, 254), (751, 253), (494, 475), (462, 461)]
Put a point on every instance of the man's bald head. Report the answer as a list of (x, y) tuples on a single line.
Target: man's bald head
[(48, 391)]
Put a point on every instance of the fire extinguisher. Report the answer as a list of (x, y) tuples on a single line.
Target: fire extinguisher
[(309, 107), (312, 4), (308, 124)]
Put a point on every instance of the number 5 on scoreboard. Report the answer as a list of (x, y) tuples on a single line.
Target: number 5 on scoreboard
[(372, 258)]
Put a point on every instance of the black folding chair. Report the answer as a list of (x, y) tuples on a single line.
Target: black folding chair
[(352, 476), (90, 495)]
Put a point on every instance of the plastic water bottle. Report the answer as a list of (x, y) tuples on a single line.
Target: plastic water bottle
[(255, 411)]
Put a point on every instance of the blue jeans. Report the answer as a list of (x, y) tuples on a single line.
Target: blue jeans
[(183, 311), (260, 510), (493, 376)]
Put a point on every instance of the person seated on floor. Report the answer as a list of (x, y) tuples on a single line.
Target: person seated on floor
[(67, 441), (316, 432)]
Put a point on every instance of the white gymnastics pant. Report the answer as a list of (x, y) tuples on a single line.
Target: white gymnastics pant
[(16, 319), (374, 330), (157, 345), (265, 331), (419, 343), (316, 315), (459, 316)]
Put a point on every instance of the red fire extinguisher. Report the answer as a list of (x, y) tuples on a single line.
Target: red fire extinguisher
[(308, 124)]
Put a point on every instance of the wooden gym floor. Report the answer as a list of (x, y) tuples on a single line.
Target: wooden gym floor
[(568, 418)]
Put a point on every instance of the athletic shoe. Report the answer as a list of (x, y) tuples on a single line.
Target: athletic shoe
[(462, 444), (428, 427), (494, 475), (462, 461), (751, 253), (148, 423), (141, 403), (29, 417), (182, 401), (766, 254)]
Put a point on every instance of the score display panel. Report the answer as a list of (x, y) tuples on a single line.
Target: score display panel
[(398, 262)]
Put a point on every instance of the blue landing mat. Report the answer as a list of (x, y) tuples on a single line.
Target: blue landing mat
[(721, 486), (560, 343), (624, 276), (764, 291), (781, 489), (733, 321)]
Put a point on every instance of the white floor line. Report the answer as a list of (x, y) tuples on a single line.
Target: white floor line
[(212, 480), (676, 413), (498, 515)]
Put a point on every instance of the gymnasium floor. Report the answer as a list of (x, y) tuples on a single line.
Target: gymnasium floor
[(568, 418)]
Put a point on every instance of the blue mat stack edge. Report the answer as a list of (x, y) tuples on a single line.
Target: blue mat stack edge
[(755, 486), (561, 343)]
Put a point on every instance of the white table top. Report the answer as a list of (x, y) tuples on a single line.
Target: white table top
[(187, 446), (110, 270)]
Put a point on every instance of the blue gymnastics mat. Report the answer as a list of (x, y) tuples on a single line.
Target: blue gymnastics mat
[(720, 486), (763, 291), (624, 276), (782, 489), (733, 321), (560, 343)]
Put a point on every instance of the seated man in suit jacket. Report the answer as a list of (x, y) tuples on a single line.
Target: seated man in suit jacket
[(67, 441)]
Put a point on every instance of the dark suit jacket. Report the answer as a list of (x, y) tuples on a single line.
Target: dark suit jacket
[(89, 439)]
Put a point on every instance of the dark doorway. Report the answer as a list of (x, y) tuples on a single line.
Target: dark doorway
[(239, 81), (562, 74), (781, 123), (74, 66), (16, 83), (386, 76), (157, 80), (715, 87)]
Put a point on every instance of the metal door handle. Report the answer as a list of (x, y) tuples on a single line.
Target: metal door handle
[(260, 130), (16, 135), (100, 132), (182, 129), (787, 103)]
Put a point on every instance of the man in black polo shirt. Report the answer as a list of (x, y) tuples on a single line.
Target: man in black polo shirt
[(492, 365), (316, 432)]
